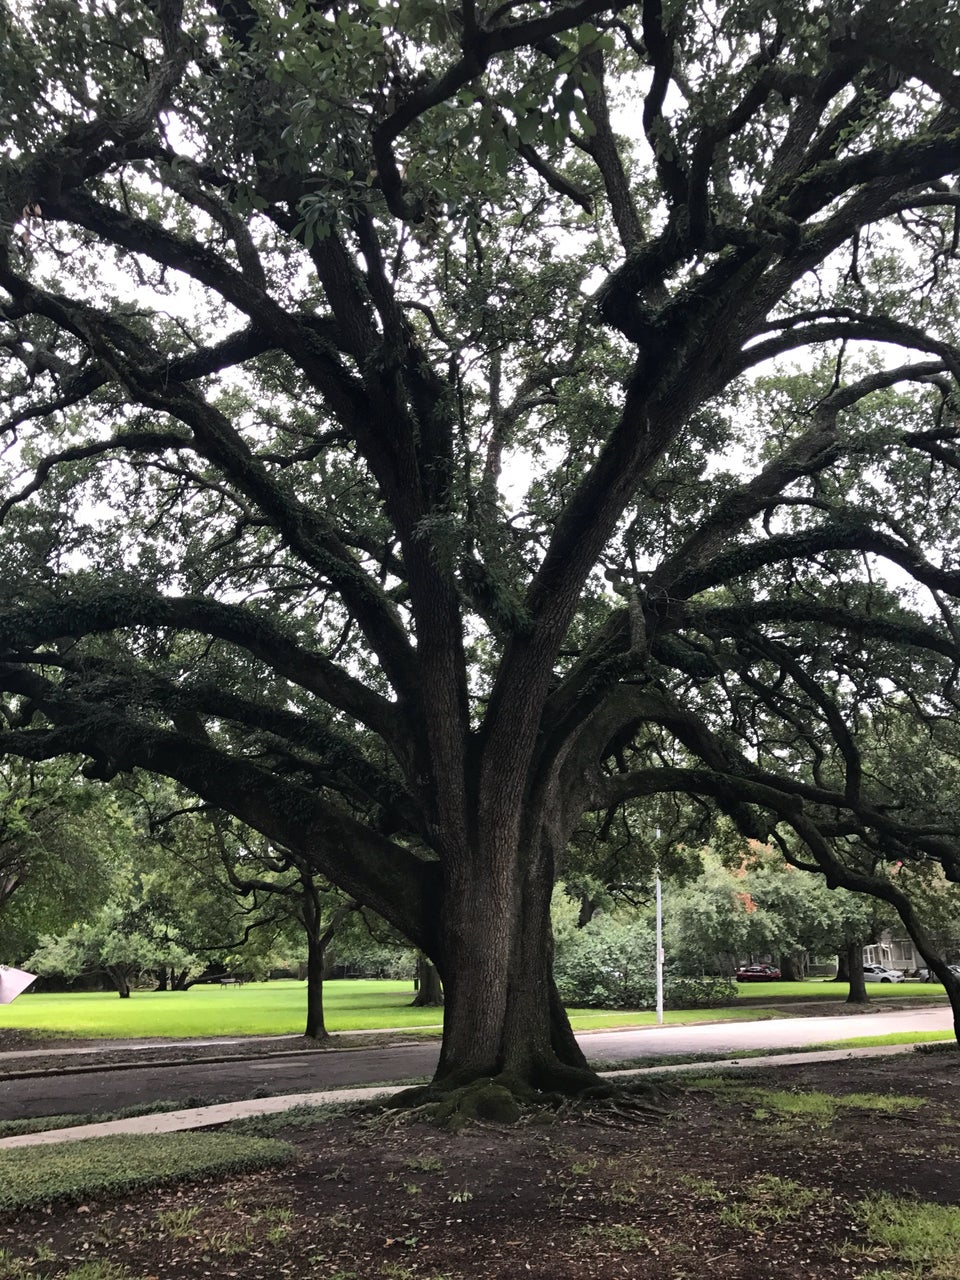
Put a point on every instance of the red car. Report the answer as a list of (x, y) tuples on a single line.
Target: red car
[(757, 973)]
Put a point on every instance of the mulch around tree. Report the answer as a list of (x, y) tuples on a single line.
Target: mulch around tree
[(734, 1182)]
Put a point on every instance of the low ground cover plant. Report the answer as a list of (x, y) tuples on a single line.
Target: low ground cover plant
[(71, 1171)]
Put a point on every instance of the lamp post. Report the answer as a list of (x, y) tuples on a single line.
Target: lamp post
[(659, 951)]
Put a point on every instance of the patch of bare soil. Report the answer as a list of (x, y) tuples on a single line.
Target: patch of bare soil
[(14, 1041), (746, 1179)]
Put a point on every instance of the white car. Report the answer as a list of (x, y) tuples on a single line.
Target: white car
[(880, 973)]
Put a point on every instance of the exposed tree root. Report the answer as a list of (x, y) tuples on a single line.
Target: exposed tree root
[(506, 1099)]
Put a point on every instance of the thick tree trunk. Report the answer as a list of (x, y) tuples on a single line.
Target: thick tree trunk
[(503, 1016), (793, 966), (858, 989), (162, 978), (429, 989), (843, 968)]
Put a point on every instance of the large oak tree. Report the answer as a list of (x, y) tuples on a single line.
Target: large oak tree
[(394, 459)]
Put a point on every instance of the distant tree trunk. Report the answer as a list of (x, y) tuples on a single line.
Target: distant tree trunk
[(428, 988), (181, 981), (793, 967), (317, 943), (843, 968), (588, 909), (162, 978), (854, 959), (316, 1027)]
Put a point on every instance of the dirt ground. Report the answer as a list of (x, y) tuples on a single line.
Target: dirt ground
[(750, 1176)]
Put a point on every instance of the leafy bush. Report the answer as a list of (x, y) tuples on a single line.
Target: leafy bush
[(73, 1170), (609, 964), (705, 992)]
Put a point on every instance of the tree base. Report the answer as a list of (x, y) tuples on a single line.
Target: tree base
[(424, 1000), (506, 1099)]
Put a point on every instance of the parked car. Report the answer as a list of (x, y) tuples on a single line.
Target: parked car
[(880, 973), (757, 973), (927, 975)]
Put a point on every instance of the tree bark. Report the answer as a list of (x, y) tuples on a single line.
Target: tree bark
[(854, 959), (120, 980), (317, 940), (843, 968), (503, 1016), (162, 979), (429, 989), (793, 967), (316, 1026)]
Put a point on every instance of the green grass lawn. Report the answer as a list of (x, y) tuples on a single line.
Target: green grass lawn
[(820, 987), (271, 1008), (590, 1019), (257, 1008), (893, 1037), (275, 1008)]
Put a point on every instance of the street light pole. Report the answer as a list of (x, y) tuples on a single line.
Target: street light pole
[(659, 952)]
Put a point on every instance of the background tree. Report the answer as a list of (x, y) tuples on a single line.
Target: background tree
[(245, 895), (392, 464), (111, 943), (808, 919), (61, 845), (289, 885)]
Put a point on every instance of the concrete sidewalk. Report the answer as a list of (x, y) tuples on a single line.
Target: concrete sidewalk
[(222, 1113)]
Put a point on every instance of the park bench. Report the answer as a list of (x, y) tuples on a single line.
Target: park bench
[(231, 982)]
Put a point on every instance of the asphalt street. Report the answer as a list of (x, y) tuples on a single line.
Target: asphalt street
[(201, 1082)]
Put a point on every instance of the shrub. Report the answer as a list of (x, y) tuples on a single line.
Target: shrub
[(609, 964), (74, 1170), (706, 992)]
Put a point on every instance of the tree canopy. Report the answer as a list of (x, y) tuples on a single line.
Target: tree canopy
[(61, 843), (396, 456)]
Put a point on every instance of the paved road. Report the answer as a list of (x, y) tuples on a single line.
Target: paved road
[(206, 1082)]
